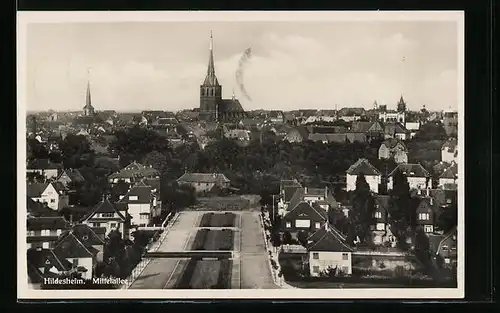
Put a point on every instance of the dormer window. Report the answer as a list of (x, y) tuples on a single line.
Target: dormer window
[(133, 198), (378, 214), (423, 216)]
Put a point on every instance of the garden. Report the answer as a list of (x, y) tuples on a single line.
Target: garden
[(211, 240), (218, 220), (206, 274)]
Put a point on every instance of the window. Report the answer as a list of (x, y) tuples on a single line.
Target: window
[(380, 226), (58, 232), (428, 228), (113, 225), (315, 269), (75, 262), (345, 256), (447, 260), (288, 224), (45, 245), (303, 223), (96, 224), (317, 225), (133, 198), (345, 269), (445, 248), (107, 215), (448, 201), (31, 233), (378, 214), (52, 200), (316, 255), (423, 216), (45, 232)]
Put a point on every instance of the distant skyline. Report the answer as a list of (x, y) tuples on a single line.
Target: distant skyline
[(137, 66)]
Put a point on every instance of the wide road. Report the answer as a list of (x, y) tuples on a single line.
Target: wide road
[(162, 273), (254, 266)]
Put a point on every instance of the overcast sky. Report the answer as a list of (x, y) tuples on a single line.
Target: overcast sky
[(160, 66)]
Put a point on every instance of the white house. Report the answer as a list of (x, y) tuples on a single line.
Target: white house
[(107, 215), (54, 194), (449, 151), (449, 176), (204, 182), (372, 175), (393, 148), (417, 176), (142, 202), (412, 127), (80, 255), (327, 250)]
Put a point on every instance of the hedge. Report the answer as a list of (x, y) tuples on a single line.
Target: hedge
[(184, 282), (206, 220), (225, 274), (199, 239)]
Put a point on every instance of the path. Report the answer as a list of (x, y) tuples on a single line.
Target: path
[(254, 267)]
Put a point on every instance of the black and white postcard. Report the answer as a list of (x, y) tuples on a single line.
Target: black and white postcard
[(240, 155)]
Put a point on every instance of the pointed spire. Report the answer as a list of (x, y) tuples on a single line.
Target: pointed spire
[(233, 97), (211, 79)]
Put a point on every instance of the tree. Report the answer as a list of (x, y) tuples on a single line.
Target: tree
[(157, 160), (287, 238), (76, 151), (448, 219), (363, 207), (275, 239), (302, 237), (431, 131)]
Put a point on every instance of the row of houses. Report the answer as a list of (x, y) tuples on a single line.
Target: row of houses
[(306, 210)]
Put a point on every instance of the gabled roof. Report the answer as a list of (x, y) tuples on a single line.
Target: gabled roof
[(450, 172), (411, 170), (105, 206), (392, 142), (304, 206), (38, 209), (70, 246), (288, 192), (203, 178), (73, 174), (452, 232), (85, 234), (43, 164), (141, 191), (51, 223), (450, 145), (135, 170), (361, 127), (35, 190), (289, 183), (356, 137), (363, 166), (329, 240), (394, 128), (42, 262), (230, 105)]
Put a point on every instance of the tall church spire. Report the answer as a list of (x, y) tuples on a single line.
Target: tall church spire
[(88, 100), (88, 109), (211, 79)]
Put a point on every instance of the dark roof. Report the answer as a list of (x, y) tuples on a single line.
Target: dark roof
[(38, 209), (392, 128), (230, 105), (288, 192), (51, 223), (85, 234), (363, 166), (153, 182), (392, 142), (35, 190), (361, 127), (411, 170), (289, 183), (43, 164), (203, 178), (42, 262), (134, 170), (142, 192), (105, 206), (328, 239), (70, 246), (296, 198), (450, 172), (73, 174), (307, 207), (382, 201), (353, 137)]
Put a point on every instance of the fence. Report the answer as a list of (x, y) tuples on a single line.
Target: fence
[(136, 272)]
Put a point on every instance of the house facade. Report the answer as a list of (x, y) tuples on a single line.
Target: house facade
[(372, 175), (43, 232), (449, 151), (142, 204), (134, 172), (107, 215), (204, 182), (449, 177), (54, 194), (395, 149), (303, 217), (446, 253), (327, 251), (417, 176), (81, 257), (425, 215), (44, 167)]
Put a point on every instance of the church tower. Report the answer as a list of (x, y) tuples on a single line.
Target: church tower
[(88, 109), (210, 91)]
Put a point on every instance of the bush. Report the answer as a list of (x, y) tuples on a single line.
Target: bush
[(199, 239), (225, 239), (225, 274), (206, 220), (184, 281)]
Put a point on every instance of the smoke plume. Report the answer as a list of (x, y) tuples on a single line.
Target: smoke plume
[(241, 70)]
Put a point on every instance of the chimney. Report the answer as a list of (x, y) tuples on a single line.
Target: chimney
[(305, 190)]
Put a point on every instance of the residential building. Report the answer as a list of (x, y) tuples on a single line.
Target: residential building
[(68, 176), (276, 117), (396, 130), (393, 149), (363, 167), (287, 190), (43, 263), (298, 134), (304, 216), (449, 151), (426, 214), (321, 197), (43, 232), (108, 215), (328, 251), (52, 193), (80, 255), (238, 134), (142, 203), (446, 252), (134, 172), (412, 127), (416, 174), (87, 235), (44, 167), (450, 122), (449, 177), (39, 209), (204, 182), (381, 229)]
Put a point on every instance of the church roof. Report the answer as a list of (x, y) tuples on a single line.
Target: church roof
[(211, 79), (88, 99), (230, 105)]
